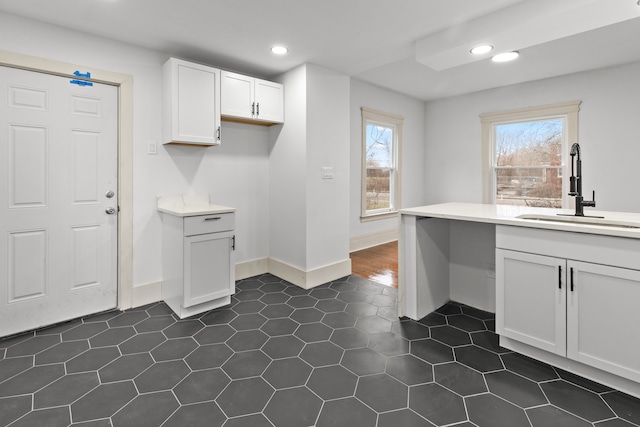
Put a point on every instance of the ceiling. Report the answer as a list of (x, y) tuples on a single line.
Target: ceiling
[(416, 47)]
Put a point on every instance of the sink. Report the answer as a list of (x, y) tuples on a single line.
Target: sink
[(582, 220)]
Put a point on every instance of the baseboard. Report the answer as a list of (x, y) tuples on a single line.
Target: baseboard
[(152, 292), (311, 278), (625, 385), (146, 294), (328, 273), (364, 241), (254, 267)]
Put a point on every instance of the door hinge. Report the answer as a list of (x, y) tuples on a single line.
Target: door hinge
[(233, 243)]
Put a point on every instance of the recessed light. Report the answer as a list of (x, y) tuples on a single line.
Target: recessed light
[(505, 57), (279, 50), (479, 50)]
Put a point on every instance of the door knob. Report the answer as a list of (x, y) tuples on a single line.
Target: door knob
[(110, 210), (109, 194)]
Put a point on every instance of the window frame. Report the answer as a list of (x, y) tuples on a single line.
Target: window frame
[(568, 111), (370, 116)]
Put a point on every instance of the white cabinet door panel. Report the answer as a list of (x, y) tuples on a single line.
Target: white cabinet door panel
[(603, 318), (207, 266), (237, 95), (191, 103), (530, 299), (269, 101)]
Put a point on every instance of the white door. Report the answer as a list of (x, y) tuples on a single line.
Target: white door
[(192, 94), (269, 101), (58, 161), (209, 272), (531, 299), (603, 318), (236, 95)]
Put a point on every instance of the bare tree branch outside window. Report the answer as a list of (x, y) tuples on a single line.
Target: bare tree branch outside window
[(379, 163), (528, 163)]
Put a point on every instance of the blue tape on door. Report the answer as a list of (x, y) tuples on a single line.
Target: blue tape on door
[(80, 83), (79, 74)]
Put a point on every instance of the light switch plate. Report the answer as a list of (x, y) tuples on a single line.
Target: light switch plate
[(152, 147), (328, 172)]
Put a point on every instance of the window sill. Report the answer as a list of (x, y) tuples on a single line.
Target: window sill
[(375, 217)]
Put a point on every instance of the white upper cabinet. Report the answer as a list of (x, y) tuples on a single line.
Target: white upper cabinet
[(251, 100), (191, 103)]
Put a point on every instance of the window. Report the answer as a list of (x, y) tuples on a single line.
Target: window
[(381, 142), (525, 152)]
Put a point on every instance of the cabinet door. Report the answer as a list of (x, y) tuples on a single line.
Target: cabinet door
[(237, 96), (194, 95), (531, 299), (603, 318), (209, 269), (269, 98)]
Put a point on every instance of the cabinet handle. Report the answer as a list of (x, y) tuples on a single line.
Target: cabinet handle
[(219, 133), (559, 277), (233, 243), (214, 218), (253, 108), (571, 279), (257, 108)]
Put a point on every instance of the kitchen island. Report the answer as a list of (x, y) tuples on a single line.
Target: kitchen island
[(564, 288)]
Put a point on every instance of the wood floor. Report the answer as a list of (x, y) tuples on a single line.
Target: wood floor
[(379, 263)]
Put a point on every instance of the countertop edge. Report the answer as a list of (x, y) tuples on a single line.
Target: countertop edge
[(483, 213), (211, 210)]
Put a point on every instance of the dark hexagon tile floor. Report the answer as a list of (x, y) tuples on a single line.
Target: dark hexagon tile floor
[(282, 356)]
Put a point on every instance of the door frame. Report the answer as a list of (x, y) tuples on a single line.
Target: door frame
[(124, 83)]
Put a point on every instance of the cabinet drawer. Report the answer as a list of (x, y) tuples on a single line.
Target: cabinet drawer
[(203, 224)]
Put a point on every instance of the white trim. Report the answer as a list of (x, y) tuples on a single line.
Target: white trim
[(146, 294), (369, 240), (254, 267), (377, 216), (566, 110), (125, 153), (310, 278)]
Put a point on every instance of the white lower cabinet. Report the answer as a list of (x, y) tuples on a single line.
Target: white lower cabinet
[(585, 311), (198, 267)]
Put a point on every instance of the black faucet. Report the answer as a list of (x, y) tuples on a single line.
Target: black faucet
[(575, 182)]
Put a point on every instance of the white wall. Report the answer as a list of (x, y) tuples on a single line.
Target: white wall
[(310, 216), (234, 174), (327, 146), (287, 175), (413, 189), (608, 134)]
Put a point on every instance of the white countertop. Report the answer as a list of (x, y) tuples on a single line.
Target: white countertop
[(190, 205), (508, 215)]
